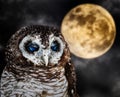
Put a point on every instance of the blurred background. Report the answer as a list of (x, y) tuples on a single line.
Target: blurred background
[(98, 77)]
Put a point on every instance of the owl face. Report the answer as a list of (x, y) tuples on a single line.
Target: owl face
[(32, 48), (38, 46)]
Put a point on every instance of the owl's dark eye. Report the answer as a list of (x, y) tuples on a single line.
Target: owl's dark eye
[(31, 47), (55, 46)]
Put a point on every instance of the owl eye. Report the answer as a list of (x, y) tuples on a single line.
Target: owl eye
[(55, 46), (32, 47)]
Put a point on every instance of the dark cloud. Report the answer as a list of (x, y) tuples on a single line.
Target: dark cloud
[(116, 87), (94, 93), (112, 5), (40, 20), (99, 77), (101, 74)]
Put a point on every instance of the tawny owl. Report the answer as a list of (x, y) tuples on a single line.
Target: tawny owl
[(38, 65)]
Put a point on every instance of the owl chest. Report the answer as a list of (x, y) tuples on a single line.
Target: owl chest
[(34, 87), (53, 88)]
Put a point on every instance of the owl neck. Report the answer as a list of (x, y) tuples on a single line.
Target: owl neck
[(37, 73)]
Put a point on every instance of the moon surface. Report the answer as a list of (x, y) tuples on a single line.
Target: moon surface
[(89, 30)]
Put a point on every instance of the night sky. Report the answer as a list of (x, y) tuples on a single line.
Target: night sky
[(99, 77)]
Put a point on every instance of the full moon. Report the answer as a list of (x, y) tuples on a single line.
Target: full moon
[(89, 30)]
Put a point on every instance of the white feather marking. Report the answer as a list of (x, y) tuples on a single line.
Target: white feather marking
[(32, 87)]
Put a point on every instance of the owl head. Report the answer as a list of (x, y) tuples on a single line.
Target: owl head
[(37, 46)]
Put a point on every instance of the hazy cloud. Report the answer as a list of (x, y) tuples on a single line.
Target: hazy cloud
[(99, 77), (112, 5), (39, 20)]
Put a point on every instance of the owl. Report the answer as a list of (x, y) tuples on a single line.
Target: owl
[(38, 64)]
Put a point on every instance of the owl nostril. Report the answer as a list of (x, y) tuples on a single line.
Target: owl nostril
[(42, 59)]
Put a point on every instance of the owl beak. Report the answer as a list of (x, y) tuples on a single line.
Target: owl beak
[(45, 58)]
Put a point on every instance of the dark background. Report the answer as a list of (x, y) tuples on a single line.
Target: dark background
[(99, 77)]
